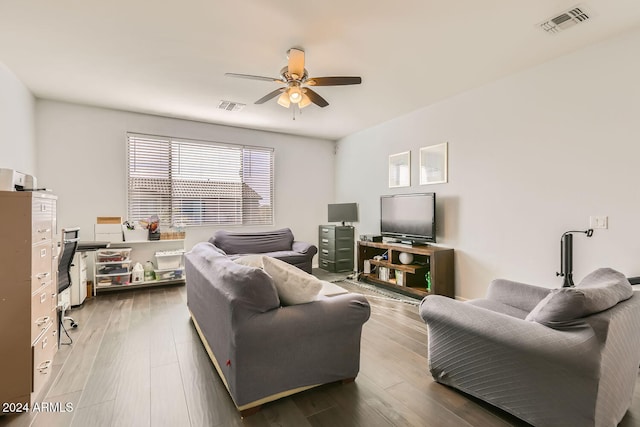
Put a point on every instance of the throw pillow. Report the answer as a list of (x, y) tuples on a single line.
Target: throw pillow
[(598, 291), (250, 260), (294, 286)]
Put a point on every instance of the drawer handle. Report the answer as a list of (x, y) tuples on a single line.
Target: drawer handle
[(325, 251), (44, 366), (43, 298), (43, 275), (325, 240), (42, 320), (325, 230), (44, 230)]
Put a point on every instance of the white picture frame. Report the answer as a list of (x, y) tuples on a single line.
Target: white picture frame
[(433, 164), (400, 169)]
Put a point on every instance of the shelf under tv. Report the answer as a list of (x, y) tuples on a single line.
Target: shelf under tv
[(434, 259)]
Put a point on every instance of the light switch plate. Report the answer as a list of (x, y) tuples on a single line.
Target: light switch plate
[(598, 221)]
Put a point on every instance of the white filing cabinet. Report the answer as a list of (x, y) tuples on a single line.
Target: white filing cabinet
[(79, 278)]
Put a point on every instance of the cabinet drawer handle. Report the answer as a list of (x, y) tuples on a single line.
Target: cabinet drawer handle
[(43, 275), (44, 366), (42, 321), (44, 230), (325, 230), (325, 240), (325, 251)]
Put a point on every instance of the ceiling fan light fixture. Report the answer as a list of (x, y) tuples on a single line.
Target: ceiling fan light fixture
[(295, 94), (296, 84), (284, 100), (304, 101)]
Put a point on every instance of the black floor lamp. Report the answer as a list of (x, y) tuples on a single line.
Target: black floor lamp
[(566, 256)]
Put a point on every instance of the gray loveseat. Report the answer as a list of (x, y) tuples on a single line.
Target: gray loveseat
[(277, 244), (262, 350), (550, 357)]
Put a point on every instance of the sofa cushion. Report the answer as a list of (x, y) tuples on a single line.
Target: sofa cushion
[(253, 243), (598, 291), (294, 286), (250, 260)]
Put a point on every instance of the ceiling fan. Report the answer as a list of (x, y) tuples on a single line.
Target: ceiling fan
[(295, 79)]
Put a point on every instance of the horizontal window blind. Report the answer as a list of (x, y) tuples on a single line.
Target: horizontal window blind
[(188, 182)]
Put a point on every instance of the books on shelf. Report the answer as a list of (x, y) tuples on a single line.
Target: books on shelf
[(383, 273)]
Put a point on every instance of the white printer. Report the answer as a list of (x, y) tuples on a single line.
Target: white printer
[(12, 180)]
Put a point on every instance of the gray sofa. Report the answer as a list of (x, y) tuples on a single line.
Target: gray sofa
[(262, 350), (277, 244), (550, 357)]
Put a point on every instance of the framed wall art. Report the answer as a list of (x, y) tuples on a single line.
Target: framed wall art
[(400, 170), (433, 164)]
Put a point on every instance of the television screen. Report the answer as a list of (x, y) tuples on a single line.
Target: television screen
[(411, 218), (343, 212)]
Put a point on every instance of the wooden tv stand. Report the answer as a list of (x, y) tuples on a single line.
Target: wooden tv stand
[(437, 260)]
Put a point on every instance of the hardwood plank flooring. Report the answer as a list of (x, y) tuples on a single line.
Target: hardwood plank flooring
[(136, 360)]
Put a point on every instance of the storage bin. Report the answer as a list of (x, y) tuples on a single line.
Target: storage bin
[(113, 255), (112, 268), (113, 279), (169, 274), (169, 259), (137, 235), (108, 232)]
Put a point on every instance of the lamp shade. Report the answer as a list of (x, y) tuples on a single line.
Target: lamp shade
[(284, 100), (304, 101)]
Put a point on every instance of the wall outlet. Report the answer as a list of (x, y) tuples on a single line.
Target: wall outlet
[(598, 221)]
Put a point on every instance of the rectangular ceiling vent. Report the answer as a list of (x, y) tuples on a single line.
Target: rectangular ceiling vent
[(565, 20), (230, 106)]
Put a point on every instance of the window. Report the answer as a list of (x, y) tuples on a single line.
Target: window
[(188, 182)]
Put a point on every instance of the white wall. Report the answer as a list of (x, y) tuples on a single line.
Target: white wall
[(17, 129), (530, 156), (82, 158)]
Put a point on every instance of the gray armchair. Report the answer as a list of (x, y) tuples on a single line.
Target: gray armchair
[(549, 357)]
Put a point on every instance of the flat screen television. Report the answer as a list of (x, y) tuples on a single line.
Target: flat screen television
[(343, 212), (409, 218)]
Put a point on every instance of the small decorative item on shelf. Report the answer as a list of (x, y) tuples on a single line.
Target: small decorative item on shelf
[(405, 258), (172, 235), (152, 224), (427, 277)]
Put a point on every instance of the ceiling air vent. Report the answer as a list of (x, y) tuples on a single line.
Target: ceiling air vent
[(565, 20), (230, 106)]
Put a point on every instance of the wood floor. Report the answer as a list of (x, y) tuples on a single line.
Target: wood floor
[(136, 360)]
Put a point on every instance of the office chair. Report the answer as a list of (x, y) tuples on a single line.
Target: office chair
[(68, 248)]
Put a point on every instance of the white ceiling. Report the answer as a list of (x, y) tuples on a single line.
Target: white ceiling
[(169, 57)]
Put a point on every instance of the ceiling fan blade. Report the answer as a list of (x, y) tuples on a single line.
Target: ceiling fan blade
[(315, 98), (249, 76), (333, 81), (296, 62), (269, 96)]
